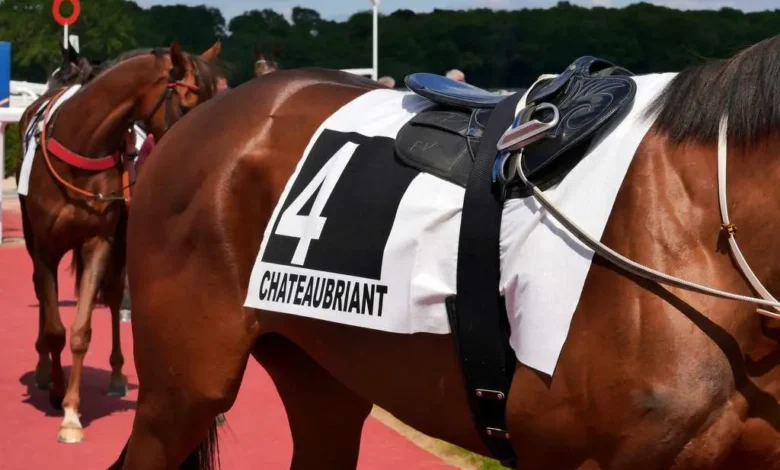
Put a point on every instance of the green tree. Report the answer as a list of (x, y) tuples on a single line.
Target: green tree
[(106, 28)]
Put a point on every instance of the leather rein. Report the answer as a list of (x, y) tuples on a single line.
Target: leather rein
[(121, 157)]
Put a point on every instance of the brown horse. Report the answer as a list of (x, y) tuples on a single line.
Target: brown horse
[(650, 377), (264, 66), (151, 87)]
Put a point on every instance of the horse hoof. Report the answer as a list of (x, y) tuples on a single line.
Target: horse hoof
[(118, 387), (70, 435)]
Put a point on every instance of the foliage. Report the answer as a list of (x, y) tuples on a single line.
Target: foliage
[(494, 48), (11, 149)]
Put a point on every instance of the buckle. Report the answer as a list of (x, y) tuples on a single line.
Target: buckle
[(491, 394), (525, 134), (498, 433)]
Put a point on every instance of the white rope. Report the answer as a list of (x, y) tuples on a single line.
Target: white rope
[(731, 229), (649, 273)]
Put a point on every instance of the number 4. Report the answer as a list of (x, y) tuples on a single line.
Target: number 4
[(309, 227)]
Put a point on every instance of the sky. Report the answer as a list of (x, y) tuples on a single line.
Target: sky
[(341, 9)]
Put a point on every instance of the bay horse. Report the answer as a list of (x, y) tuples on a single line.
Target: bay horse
[(70, 208), (650, 376)]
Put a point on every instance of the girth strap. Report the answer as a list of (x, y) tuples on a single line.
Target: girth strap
[(477, 313)]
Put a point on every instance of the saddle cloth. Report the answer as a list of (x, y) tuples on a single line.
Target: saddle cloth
[(30, 141), (360, 238)]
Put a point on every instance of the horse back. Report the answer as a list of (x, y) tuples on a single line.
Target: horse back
[(230, 158)]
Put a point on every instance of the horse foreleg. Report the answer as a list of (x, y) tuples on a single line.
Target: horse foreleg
[(326, 418), (95, 254), (115, 290)]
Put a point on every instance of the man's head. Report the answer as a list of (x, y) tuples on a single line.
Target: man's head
[(456, 75), (222, 84), (389, 82)]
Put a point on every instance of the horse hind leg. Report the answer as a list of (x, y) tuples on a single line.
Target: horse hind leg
[(51, 332), (326, 418), (95, 255)]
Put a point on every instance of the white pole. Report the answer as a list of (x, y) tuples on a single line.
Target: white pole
[(65, 38), (375, 75), (2, 175)]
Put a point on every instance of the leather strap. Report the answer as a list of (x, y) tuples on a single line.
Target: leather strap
[(78, 161), (729, 228), (477, 313)]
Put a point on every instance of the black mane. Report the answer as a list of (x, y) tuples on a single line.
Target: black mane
[(746, 87)]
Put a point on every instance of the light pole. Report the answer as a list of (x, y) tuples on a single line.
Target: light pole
[(375, 73)]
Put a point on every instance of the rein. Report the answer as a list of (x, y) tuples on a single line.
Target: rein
[(766, 300), (102, 164)]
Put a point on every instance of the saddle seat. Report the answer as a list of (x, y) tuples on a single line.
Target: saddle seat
[(586, 97), (448, 92)]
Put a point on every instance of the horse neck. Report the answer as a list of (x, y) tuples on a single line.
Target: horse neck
[(93, 121), (673, 194), (754, 196)]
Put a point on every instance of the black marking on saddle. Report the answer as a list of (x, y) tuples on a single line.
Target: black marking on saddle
[(590, 94), (452, 93), (587, 100)]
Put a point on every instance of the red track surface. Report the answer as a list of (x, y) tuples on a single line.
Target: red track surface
[(257, 434)]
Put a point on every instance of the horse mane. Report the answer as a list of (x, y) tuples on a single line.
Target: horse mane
[(206, 71), (745, 87), (73, 74)]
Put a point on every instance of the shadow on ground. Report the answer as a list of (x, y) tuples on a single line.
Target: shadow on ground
[(95, 404)]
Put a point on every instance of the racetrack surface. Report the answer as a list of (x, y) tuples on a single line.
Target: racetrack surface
[(256, 435)]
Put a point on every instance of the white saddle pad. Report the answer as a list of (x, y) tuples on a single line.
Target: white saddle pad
[(360, 239)]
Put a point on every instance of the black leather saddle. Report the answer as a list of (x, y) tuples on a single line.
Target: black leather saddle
[(448, 92), (587, 96)]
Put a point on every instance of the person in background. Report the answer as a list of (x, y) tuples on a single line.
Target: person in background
[(222, 84), (146, 149), (456, 75), (387, 81)]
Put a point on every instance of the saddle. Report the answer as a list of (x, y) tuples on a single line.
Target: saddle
[(561, 116), (459, 140), (450, 92)]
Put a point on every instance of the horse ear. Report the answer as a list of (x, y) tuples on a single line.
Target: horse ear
[(178, 60), (72, 54), (213, 51)]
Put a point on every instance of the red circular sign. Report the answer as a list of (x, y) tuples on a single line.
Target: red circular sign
[(62, 20)]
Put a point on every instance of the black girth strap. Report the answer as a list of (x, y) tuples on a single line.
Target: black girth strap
[(477, 313)]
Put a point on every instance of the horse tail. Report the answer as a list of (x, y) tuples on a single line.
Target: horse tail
[(204, 457)]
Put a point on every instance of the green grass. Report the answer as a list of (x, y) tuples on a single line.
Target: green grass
[(11, 149), (449, 453)]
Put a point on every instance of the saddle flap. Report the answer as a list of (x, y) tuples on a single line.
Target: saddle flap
[(450, 92), (585, 109), (441, 142)]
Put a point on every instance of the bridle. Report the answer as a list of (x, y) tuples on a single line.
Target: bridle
[(766, 300), (167, 97), (121, 157)]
